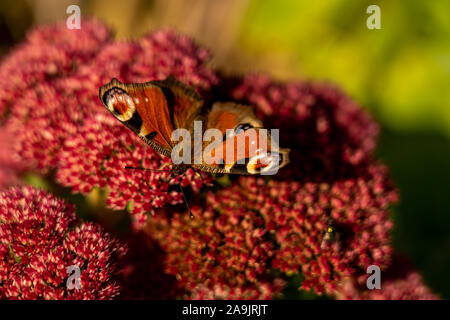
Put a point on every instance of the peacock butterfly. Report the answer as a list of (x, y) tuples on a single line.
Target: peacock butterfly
[(157, 110)]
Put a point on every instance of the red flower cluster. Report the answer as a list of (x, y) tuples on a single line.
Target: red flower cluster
[(224, 252), (399, 282), (40, 105), (97, 156), (328, 132), (324, 216), (39, 239), (243, 232), (49, 101)]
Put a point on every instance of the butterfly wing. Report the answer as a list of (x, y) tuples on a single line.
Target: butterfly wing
[(245, 148), (184, 103), (152, 110)]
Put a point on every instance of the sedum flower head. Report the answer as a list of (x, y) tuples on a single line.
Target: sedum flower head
[(39, 239), (399, 282), (242, 233), (325, 216), (50, 104)]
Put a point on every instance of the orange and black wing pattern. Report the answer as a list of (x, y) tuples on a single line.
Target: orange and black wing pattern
[(245, 148), (153, 110), (184, 102)]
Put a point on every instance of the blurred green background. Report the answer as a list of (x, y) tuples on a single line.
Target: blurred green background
[(401, 73)]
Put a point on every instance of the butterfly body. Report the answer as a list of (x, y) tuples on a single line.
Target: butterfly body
[(155, 110)]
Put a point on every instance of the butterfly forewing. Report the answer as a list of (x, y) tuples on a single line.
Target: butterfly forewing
[(143, 108), (184, 103)]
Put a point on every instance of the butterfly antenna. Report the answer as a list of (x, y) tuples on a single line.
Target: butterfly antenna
[(198, 174), (145, 169)]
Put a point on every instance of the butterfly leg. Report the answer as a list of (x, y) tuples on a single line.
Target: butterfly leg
[(165, 165)]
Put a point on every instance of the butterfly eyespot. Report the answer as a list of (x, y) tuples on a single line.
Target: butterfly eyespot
[(111, 94), (242, 127), (264, 163), (238, 129), (119, 103)]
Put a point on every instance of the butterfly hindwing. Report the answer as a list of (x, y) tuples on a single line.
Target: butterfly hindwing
[(246, 147)]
